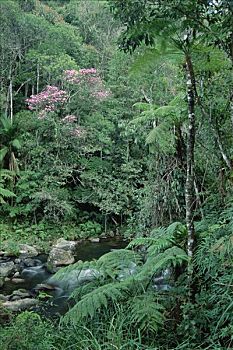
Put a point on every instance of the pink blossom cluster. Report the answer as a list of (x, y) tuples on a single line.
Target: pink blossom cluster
[(101, 94), (86, 71), (47, 99), (69, 118), (74, 76)]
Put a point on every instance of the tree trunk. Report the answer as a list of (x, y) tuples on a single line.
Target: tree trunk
[(11, 101), (37, 78), (190, 185)]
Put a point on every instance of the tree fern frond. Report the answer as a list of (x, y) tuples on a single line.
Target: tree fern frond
[(16, 144), (95, 300), (144, 106), (176, 228), (158, 232), (142, 241), (6, 193), (173, 256), (146, 313), (3, 153), (116, 262), (148, 58), (161, 244), (163, 137)]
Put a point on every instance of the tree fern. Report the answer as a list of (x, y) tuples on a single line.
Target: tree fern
[(146, 313), (154, 264), (4, 192), (95, 300)]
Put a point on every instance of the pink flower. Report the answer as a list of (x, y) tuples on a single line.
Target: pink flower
[(47, 100)]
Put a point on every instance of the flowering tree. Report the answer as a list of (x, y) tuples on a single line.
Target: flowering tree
[(52, 97), (47, 100), (87, 78)]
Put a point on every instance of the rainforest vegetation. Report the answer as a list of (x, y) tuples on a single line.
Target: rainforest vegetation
[(116, 118)]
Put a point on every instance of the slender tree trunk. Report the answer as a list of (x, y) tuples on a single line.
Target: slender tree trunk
[(37, 78), (190, 185), (11, 101)]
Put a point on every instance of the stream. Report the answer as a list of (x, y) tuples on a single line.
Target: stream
[(56, 300)]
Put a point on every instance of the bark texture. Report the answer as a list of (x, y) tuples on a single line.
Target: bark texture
[(190, 186)]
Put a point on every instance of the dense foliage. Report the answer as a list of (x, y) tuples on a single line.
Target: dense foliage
[(137, 141)]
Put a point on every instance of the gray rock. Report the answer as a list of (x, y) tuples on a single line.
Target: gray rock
[(29, 262), (16, 275), (4, 297), (17, 280), (63, 244), (2, 280), (44, 287), (61, 254), (60, 257), (21, 293), (74, 278), (18, 261), (27, 251), (6, 268), (20, 305), (94, 240)]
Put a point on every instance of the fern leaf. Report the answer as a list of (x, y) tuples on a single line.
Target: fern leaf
[(6, 193), (92, 302), (173, 256), (147, 314), (16, 144), (162, 136), (3, 153)]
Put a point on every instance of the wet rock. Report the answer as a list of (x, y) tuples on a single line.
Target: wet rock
[(16, 275), (20, 305), (18, 261), (75, 278), (4, 297), (44, 287), (27, 251), (20, 294), (65, 245), (59, 257), (61, 254), (29, 262), (6, 268), (17, 280), (1, 282), (94, 240)]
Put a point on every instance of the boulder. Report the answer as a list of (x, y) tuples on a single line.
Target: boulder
[(60, 257), (29, 262), (61, 254), (6, 268), (63, 244), (20, 293), (45, 287), (27, 251), (20, 305), (17, 280), (2, 280), (94, 240), (4, 297)]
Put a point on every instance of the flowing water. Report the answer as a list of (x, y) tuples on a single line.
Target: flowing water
[(58, 302)]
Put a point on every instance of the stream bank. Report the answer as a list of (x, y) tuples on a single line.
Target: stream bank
[(25, 278)]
